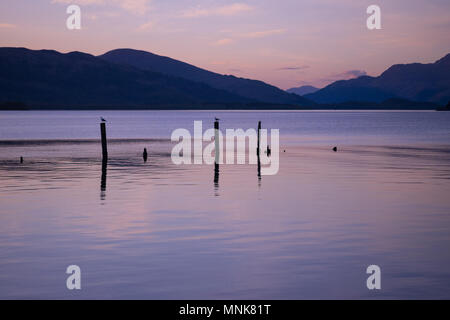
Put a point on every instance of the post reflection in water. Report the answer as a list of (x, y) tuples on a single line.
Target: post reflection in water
[(216, 179), (258, 150), (103, 180), (259, 171), (217, 157)]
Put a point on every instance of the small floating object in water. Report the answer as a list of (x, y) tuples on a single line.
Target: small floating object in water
[(145, 155), (335, 149)]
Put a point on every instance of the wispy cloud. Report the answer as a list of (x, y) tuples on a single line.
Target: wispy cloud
[(147, 26), (138, 7), (7, 25), (82, 2), (249, 35), (228, 10), (223, 42), (262, 34), (299, 68), (350, 74), (346, 75)]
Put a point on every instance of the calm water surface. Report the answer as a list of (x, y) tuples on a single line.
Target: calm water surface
[(159, 231)]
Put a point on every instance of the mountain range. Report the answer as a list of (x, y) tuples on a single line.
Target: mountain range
[(126, 78), (416, 82), (49, 79)]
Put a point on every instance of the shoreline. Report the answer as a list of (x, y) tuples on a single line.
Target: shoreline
[(226, 110)]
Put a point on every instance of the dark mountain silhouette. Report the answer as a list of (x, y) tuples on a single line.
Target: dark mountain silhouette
[(50, 78), (416, 82), (251, 89), (301, 91)]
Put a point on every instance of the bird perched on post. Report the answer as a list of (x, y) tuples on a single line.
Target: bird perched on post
[(102, 119)]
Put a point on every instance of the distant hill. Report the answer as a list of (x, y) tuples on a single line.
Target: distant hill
[(250, 89), (301, 91), (415, 82), (50, 78)]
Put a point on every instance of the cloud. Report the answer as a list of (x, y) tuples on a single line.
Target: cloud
[(228, 10), (293, 68), (138, 7), (223, 42), (350, 74), (249, 35), (7, 26), (262, 34), (81, 2), (147, 26), (346, 75)]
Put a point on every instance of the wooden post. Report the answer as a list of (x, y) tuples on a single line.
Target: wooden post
[(259, 137), (21, 159), (104, 142), (216, 142), (145, 155), (258, 151)]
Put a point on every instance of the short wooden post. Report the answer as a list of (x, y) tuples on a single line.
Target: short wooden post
[(104, 142), (145, 155), (21, 159)]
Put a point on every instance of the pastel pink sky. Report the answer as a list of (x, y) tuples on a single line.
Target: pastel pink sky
[(286, 43)]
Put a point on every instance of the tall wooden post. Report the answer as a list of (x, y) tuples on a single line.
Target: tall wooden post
[(217, 142), (104, 142), (258, 152), (259, 137)]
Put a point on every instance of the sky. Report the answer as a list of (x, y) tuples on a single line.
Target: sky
[(287, 43)]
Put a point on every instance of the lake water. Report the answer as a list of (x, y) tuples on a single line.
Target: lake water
[(156, 230)]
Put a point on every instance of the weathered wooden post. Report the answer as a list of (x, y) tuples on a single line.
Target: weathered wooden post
[(216, 141), (259, 137), (258, 153), (145, 155), (104, 142)]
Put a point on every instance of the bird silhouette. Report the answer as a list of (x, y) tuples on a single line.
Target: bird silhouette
[(217, 119), (103, 119)]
